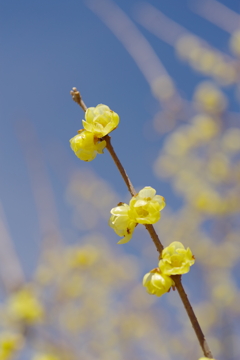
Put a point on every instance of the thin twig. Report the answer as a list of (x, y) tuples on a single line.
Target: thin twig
[(159, 247), (76, 96), (176, 278), (194, 321), (119, 166), (11, 272), (155, 238)]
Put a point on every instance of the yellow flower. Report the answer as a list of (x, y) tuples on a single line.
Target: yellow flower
[(210, 98), (78, 257), (157, 283), (205, 358), (122, 222), (100, 120), (146, 206), (205, 127), (176, 259), (210, 202), (86, 145), (24, 306), (9, 343)]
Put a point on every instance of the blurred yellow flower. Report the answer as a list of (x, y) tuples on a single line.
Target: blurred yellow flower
[(176, 259), (45, 357), (10, 343), (122, 222), (206, 61), (24, 306), (235, 42), (206, 127), (231, 140), (209, 98), (86, 145), (157, 283), (225, 72), (205, 358), (210, 202), (79, 257), (100, 120), (146, 206)]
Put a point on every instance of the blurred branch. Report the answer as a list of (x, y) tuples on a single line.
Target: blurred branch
[(177, 279), (10, 268), (133, 41), (167, 29), (41, 186), (218, 14)]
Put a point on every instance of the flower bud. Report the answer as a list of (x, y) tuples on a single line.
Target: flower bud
[(157, 283), (86, 145), (122, 222)]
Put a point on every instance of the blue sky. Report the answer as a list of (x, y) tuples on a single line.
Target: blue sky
[(47, 48)]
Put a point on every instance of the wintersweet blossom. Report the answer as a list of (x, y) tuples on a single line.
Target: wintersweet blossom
[(176, 259), (210, 98), (157, 283), (84, 256), (146, 206), (86, 145), (24, 306), (9, 344), (122, 222), (100, 120)]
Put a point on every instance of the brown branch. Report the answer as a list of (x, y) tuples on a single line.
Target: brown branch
[(159, 247), (155, 238), (119, 166), (194, 321), (157, 243), (76, 96)]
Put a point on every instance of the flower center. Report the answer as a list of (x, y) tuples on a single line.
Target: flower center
[(102, 120), (176, 262), (142, 212)]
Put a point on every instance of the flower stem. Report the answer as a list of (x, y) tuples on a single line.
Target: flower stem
[(194, 321), (119, 166), (176, 278)]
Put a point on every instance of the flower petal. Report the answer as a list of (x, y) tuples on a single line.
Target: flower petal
[(147, 193), (125, 239)]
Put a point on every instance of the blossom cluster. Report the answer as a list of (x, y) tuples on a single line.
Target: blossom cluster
[(175, 260), (144, 208), (99, 121), (205, 59)]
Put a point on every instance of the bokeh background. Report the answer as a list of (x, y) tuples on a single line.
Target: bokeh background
[(170, 69)]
